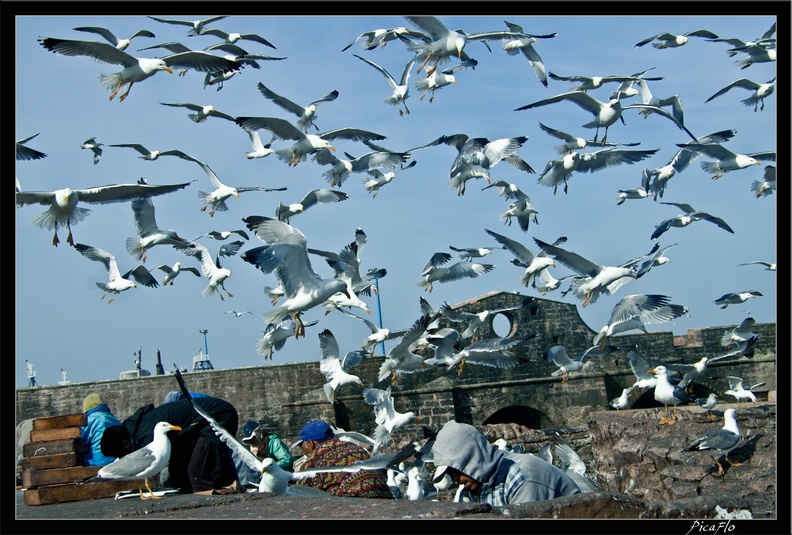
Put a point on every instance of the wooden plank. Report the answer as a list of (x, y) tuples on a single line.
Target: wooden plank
[(46, 435), (40, 462), (75, 493), (52, 447), (59, 422), (37, 478)]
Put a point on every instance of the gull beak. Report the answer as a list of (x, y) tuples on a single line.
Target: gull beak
[(236, 195), (361, 383), (650, 371), (332, 148), (175, 428), (170, 71)]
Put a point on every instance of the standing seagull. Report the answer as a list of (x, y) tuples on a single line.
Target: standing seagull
[(760, 91), (120, 44), (95, 147), (708, 403), (726, 160), (689, 216), (735, 298), (335, 370), (305, 114), (400, 89), (286, 255), (670, 40), (667, 394), (135, 69), (63, 209), (143, 463), (117, 282), (722, 440), (605, 113), (594, 279)]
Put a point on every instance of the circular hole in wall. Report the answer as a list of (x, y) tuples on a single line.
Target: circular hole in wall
[(501, 325)]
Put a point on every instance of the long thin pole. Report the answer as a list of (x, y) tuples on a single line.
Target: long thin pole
[(379, 313)]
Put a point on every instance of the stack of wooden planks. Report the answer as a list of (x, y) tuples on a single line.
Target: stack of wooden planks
[(52, 464)]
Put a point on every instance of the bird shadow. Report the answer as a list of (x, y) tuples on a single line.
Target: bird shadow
[(739, 455)]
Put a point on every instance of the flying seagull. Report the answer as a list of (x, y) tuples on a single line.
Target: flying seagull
[(400, 89), (196, 26), (120, 44), (211, 269), (689, 216), (670, 40), (151, 155), (524, 44), (635, 312), (23, 152), (735, 298), (305, 114), (201, 112), (149, 233), (336, 370), (378, 38), (726, 160), (474, 321), (738, 391), (760, 91), (95, 147), (234, 37), (435, 271), (385, 415), (117, 282), (276, 334), (769, 266), (284, 212), (377, 336), (171, 272)]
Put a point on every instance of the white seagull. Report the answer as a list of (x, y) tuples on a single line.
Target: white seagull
[(760, 91), (385, 415), (234, 37), (340, 169), (378, 38), (670, 40), (377, 336), (171, 272), (566, 365), (304, 143), (149, 233), (435, 271), (469, 253), (668, 394), (196, 26), (201, 112), (276, 334), (689, 216), (400, 358), (347, 273), (708, 403), (260, 150), (726, 160), (766, 186), (335, 370), (755, 54), (769, 266), (492, 352), (117, 282), (400, 89), (151, 155), (211, 269), (623, 401), (238, 313), (474, 321), (135, 69), (305, 114), (650, 100), (735, 298), (120, 44), (95, 147), (524, 45), (286, 255), (143, 463), (377, 179), (595, 279), (62, 203), (222, 235), (738, 391), (605, 113), (588, 83), (635, 312), (284, 212), (722, 440), (740, 333), (655, 258)]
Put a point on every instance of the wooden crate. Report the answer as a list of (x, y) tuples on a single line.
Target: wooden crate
[(77, 492)]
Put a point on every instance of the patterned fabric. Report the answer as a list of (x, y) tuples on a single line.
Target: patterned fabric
[(503, 485), (361, 484)]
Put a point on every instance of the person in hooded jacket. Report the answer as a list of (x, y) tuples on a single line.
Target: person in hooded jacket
[(98, 418), (489, 475)]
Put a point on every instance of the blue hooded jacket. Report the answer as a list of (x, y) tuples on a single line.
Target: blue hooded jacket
[(99, 418)]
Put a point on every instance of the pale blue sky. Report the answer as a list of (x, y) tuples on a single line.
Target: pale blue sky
[(62, 323)]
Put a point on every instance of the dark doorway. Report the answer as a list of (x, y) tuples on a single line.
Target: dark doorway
[(516, 414)]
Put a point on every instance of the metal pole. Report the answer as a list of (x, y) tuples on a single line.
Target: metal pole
[(379, 313), (206, 345)]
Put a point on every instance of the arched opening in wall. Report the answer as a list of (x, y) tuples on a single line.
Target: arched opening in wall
[(503, 325), (516, 414)]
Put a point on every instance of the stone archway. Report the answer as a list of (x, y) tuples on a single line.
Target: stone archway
[(516, 414)]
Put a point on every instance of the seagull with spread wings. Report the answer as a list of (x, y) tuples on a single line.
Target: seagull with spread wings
[(379, 37), (211, 269), (284, 212), (385, 415), (524, 44), (400, 89), (336, 370), (726, 160), (474, 321), (23, 152), (534, 263), (736, 298), (759, 91), (275, 335), (635, 312), (151, 155), (197, 27), (566, 365), (377, 336), (135, 69), (435, 271), (670, 40), (120, 44), (95, 147), (401, 359), (377, 179), (305, 114), (201, 112), (117, 282), (171, 272), (149, 233), (689, 216)]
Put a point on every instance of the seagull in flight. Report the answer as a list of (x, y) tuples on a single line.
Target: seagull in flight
[(171, 272), (197, 27), (211, 269), (769, 266), (238, 313), (524, 44), (120, 44), (117, 282), (760, 91), (201, 112), (284, 212), (741, 333), (23, 152), (434, 271), (605, 113), (235, 37), (670, 40), (336, 370), (135, 69), (379, 37), (689, 216), (151, 155), (738, 391), (305, 114), (566, 365), (736, 298), (726, 160), (534, 263), (95, 147), (400, 89), (149, 233), (385, 415), (276, 334), (474, 321), (635, 312), (377, 336)]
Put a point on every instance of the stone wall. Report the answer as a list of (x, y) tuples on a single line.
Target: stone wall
[(285, 396)]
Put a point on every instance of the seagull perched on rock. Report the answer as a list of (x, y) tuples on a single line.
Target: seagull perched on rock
[(95, 147), (385, 415), (670, 40), (171, 272), (722, 440), (135, 69), (760, 91), (726, 160), (117, 282), (594, 279), (735, 298), (142, 463), (335, 370), (286, 256), (63, 209), (635, 312), (667, 393), (689, 216), (305, 114), (605, 113), (435, 271), (304, 143), (708, 403), (120, 44)]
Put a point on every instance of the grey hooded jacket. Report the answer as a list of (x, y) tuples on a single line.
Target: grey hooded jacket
[(507, 478)]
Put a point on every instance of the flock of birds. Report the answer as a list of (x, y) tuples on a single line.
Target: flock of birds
[(295, 138)]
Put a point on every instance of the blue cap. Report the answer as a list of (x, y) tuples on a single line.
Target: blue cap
[(315, 430), (248, 431)]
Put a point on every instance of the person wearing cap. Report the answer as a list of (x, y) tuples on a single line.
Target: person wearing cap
[(265, 443), (322, 449), (178, 395), (98, 418), (199, 462), (493, 476)]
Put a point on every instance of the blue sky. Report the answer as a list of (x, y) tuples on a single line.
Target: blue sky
[(61, 323)]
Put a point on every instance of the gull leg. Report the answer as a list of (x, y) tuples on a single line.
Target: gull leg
[(672, 421), (121, 99), (720, 466), (113, 94), (110, 300), (421, 66), (55, 240), (732, 463), (664, 419)]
